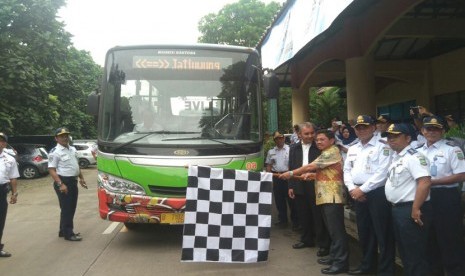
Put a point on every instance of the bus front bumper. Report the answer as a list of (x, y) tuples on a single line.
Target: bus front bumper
[(140, 209)]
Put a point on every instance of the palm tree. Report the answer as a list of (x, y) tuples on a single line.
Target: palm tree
[(325, 104)]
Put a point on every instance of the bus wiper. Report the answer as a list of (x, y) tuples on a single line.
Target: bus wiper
[(150, 133), (134, 140)]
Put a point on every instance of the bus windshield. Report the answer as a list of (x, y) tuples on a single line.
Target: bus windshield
[(174, 96)]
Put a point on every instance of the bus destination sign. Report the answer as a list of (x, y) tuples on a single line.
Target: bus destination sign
[(181, 63)]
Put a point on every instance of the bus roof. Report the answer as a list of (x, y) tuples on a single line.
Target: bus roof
[(187, 46)]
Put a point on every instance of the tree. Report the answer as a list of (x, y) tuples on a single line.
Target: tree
[(325, 105), (242, 23), (43, 78)]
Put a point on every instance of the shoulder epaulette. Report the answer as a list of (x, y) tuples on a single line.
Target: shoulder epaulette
[(52, 150), (412, 151), (382, 141), (451, 143)]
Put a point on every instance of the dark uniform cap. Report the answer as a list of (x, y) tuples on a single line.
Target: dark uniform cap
[(364, 120), (278, 135), (433, 121), (3, 135), (396, 129), (383, 118), (61, 131)]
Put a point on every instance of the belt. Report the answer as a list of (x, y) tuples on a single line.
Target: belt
[(402, 204), (67, 176)]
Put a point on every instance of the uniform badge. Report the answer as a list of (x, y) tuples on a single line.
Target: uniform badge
[(459, 154), (386, 152), (50, 158), (422, 160)]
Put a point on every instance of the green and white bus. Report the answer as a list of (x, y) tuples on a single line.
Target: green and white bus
[(165, 107)]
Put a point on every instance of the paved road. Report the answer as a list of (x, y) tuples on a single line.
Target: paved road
[(110, 249)]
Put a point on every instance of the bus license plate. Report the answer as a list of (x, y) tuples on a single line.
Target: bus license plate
[(172, 218)]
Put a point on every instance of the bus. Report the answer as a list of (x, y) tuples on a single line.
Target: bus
[(162, 108)]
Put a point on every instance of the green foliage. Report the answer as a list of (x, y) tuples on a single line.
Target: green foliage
[(285, 110), (268, 143), (242, 23), (44, 80), (326, 105), (457, 132)]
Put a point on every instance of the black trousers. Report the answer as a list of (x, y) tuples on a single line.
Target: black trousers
[(333, 216), (446, 248), (411, 238), (68, 203), (3, 209), (375, 231), (282, 200), (314, 230)]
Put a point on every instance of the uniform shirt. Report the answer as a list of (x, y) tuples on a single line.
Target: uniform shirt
[(278, 159), (421, 140), (367, 165), (445, 159), (8, 168), (65, 160), (405, 169), (328, 179)]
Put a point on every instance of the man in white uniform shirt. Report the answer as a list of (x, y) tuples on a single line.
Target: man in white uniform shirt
[(407, 188), (8, 174), (277, 161), (365, 173), (64, 169), (446, 248)]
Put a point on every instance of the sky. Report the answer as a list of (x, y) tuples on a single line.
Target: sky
[(98, 25)]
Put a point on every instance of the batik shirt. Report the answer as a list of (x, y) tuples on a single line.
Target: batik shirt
[(329, 178)]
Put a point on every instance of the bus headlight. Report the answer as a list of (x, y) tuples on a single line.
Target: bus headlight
[(118, 185)]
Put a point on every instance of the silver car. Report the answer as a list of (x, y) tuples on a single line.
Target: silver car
[(84, 153), (32, 160)]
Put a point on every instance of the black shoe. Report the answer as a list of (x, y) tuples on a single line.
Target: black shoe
[(322, 252), (332, 270), (359, 271), (74, 238), (4, 254), (61, 235), (325, 261), (301, 245)]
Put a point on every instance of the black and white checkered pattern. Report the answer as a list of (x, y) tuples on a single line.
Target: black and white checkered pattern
[(227, 216)]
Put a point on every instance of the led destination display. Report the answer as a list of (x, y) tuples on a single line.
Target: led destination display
[(181, 63)]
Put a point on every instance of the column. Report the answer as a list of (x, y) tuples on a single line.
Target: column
[(300, 110), (360, 85)]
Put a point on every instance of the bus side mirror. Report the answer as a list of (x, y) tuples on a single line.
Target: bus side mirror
[(92, 103), (271, 85)]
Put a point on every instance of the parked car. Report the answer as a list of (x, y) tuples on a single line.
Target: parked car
[(84, 154), (10, 150), (32, 160)]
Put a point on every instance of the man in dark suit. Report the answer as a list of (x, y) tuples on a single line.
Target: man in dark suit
[(314, 231)]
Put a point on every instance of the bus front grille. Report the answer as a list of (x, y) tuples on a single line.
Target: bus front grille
[(168, 191)]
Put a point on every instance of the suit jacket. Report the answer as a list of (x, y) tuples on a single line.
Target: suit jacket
[(295, 161)]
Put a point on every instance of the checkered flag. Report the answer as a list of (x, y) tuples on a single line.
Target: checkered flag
[(227, 216)]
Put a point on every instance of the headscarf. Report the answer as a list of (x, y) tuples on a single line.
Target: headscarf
[(351, 138)]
